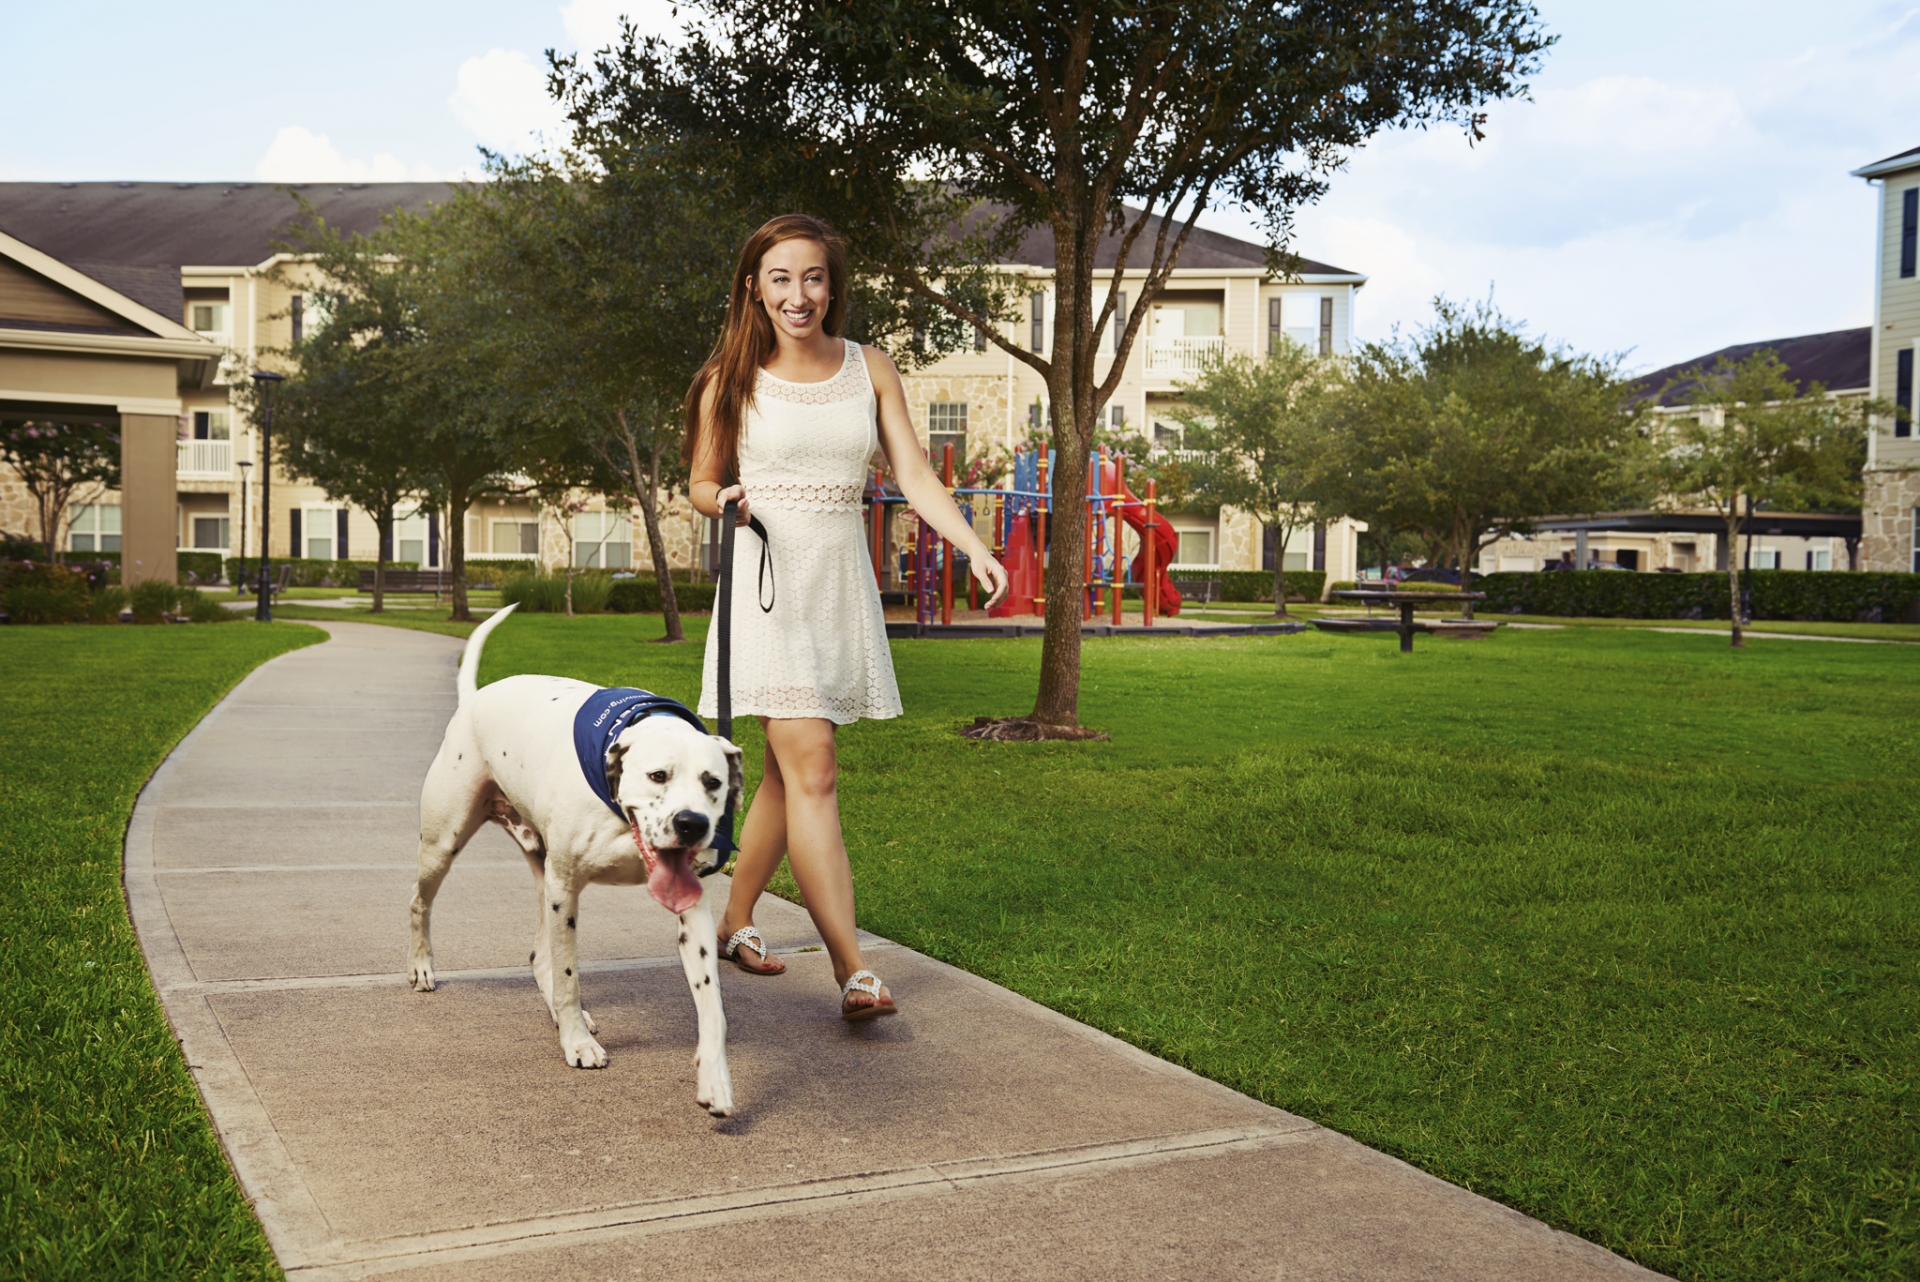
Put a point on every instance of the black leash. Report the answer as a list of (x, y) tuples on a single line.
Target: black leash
[(723, 661)]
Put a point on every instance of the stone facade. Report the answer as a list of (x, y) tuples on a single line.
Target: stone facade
[(1887, 536)]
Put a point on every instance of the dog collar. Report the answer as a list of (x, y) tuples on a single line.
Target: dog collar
[(601, 719)]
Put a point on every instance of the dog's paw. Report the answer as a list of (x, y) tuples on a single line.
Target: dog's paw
[(583, 1052), (715, 1089), (420, 975)]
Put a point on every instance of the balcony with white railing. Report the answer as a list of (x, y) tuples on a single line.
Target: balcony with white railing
[(1181, 357), (204, 461)]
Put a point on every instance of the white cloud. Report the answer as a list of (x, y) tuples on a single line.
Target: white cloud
[(297, 154), (502, 97), (595, 24)]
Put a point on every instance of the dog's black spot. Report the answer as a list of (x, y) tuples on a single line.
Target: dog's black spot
[(569, 923), (569, 970), (703, 950), (529, 959), (683, 936), (459, 756), (556, 908)]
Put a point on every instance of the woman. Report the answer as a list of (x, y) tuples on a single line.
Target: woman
[(784, 417)]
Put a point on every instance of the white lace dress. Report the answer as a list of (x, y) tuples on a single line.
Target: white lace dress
[(822, 649)]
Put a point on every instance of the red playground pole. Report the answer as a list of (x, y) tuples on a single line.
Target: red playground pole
[(1149, 580), (879, 529), (1041, 505), (1114, 561), (946, 548)]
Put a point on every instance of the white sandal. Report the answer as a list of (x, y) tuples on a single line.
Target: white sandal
[(749, 937), (881, 1005)]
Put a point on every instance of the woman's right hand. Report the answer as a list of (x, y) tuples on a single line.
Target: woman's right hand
[(733, 492)]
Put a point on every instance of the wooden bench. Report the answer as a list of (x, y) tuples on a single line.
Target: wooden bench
[(408, 581), (279, 580), (1437, 627)]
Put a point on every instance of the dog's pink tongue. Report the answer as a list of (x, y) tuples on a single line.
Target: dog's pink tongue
[(671, 880)]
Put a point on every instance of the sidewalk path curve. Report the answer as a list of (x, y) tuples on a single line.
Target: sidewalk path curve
[(386, 1133)]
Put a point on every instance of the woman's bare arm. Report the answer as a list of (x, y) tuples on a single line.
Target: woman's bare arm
[(707, 486), (922, 489)]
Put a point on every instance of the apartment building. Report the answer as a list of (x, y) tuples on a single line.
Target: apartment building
[(1891, 510), (187, 282)]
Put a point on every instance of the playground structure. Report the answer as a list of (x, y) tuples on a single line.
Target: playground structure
[(1019, 516)]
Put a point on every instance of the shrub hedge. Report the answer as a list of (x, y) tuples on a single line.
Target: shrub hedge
[(547, 593), (641, 595), (1809, 596), (200, 567), (37, 592), (1257, 585)]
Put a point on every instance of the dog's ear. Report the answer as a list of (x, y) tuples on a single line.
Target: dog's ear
[(736, 775), (616, 759)]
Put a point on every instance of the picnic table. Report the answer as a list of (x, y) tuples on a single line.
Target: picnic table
[(1407, 600)]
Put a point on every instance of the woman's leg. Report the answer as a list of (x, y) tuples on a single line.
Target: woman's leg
[(763, 844), (817, 852)]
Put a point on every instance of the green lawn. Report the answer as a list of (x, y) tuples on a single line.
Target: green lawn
[(1617, 927), (112, 1170)]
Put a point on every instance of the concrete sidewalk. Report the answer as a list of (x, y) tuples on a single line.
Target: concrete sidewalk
[(383, 1132)]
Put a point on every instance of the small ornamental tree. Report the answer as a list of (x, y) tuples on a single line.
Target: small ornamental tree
[(1261, 427), (937, 135), (61, 461), (1760, 440)]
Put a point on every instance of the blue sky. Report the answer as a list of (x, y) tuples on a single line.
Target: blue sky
[(1678, 182)]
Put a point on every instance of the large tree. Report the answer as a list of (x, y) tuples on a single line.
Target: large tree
[(613, 274), (939, 134), (1261, 428), (1757, 439), (61, 460), (1471, 430), (419, 290)]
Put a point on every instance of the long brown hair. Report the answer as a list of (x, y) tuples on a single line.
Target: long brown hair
[(747, 342)]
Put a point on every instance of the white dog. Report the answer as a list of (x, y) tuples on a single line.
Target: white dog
[(517, 753)]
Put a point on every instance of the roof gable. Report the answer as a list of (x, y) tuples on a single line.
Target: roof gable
[(1840, 360), (39, 292)]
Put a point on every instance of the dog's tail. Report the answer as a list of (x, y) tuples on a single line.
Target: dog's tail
[(470, 657)]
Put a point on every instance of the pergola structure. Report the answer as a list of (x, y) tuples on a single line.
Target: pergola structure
[(1804, 525)]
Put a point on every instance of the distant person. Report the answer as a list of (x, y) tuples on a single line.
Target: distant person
[(784, 417)]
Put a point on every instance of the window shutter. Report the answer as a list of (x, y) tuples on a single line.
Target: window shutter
[(1909, 228), (1273, 326), (1903, 393), (1040, 320), (433, 540), (299, 318), (979, 339), (1119, 318), (293, 530), (340, 534), (1326, 327)]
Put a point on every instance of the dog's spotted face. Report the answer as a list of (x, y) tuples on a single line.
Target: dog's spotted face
[(673, 783)]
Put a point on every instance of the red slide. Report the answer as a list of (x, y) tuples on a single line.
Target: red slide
[(1166, 544)]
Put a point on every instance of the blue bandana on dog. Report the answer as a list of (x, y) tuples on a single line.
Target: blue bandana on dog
[(601, 719)]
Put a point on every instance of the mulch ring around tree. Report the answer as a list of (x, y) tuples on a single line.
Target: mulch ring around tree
[(1026, 730)]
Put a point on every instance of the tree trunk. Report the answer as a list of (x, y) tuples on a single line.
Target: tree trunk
[(570, 585), (1733, 573), (383, 540), (1058, 700), (1282, 535), (646, 492), (457, 502)]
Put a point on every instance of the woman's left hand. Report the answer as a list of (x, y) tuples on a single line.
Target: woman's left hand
[(992, 576)]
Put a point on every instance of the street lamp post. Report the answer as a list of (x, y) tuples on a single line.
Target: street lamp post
[(265, 380), (240, 579)]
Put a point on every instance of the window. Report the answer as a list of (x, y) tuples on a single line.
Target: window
[(947, 425), (602, 540), (1274, 327), (1903, 393), (1037, 416), (207, 318), (1039, 306), (212, 425), (1196, 547), (212, 532), (298, 312), (1118, 416), (415, 537), (1300, 319), (1765, 559), (318, 524), (1326, 327), (516, 538), (95, 528), (1166, 436), (1909, 228), (979, 339), (1119, 318), (1819, 558)]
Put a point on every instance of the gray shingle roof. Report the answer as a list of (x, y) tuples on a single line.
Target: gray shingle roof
[(152, 225), (1839, 360), (1205, 250)]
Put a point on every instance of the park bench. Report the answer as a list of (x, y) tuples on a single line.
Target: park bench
[(407, 581), (280, 578)]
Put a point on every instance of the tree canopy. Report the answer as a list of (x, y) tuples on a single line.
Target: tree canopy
[(939, 135)]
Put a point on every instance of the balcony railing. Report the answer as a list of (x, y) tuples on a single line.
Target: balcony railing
[(205, 459), (1181, 357)]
